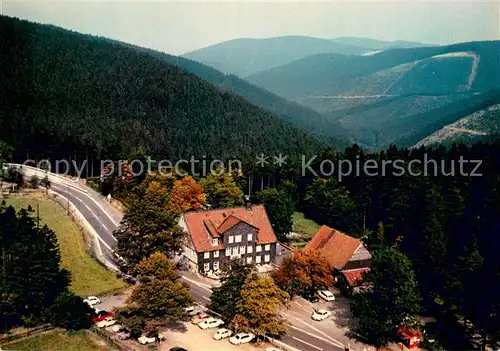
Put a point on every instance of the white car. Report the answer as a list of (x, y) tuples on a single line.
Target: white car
[(116, 328), (326, 295), (222, 333), (193, 310), (92, 300), (210, 323), (146, 340), (106, 322), (320, 315), (241, 338)]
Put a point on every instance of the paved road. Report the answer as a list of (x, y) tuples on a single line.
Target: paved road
[(104, 219), (303, 333)]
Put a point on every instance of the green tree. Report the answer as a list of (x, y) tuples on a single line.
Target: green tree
[(33, 182), (330, 203), (147, 227), (221, 190), (226, 297), (258, 310), (279, 208), (390, 297), (161, 294), (70, 312), (32, 276)]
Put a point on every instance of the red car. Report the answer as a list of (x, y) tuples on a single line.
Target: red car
[(101, 315)]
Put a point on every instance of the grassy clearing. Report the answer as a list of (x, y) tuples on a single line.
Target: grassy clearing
[(59, 340), (87, 276), (303, 225)]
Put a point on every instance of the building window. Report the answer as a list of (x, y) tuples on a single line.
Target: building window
[(249, 249), (249, 260), (235, 251), (267, 258), (228, 252), (249, 237), (231, 238), (237, 239), (257, 259), (216, 253), (215, 242), (258, 248), (206, 267), (206, 255), (268, 247), (216, 265), (242, 250)]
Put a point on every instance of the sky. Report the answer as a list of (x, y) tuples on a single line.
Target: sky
[(177, 27)]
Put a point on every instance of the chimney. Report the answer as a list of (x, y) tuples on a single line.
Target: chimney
[(248, 204)]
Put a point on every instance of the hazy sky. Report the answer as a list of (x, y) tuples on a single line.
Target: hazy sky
[(177, 27)]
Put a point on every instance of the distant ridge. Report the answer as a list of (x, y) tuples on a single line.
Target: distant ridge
[(244, 57)]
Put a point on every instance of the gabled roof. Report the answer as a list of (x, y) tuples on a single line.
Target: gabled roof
[(202, 225), (230, 222), (338, 248), (354, 276)]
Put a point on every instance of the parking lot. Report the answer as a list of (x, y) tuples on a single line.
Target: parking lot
[(195, 338)]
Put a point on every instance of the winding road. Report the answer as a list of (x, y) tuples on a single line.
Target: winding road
[(303, 333)]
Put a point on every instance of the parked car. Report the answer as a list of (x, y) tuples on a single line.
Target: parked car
[(177, 348), (162, 336), (124, 334), (326, 295), (106, 322), (496, 346), (319, 315), (116, 328), (193, 310), (146, 340), (241, 338), (92, 300), (312, 298), (222, 333), (210, 323), (200, 317), (101, 315)]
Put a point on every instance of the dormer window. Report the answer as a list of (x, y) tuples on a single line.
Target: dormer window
[(215, 242)]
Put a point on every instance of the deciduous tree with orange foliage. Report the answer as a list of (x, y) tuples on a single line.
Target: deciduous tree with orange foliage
[(304, 273), (185, 195)]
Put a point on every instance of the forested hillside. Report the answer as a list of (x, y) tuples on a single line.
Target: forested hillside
[(308, 119), (66, 94), (397, 95), (429, 70), (248, 56), (482, 125)]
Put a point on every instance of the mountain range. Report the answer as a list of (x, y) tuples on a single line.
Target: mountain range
[(69, 91), (244, 57), (381, 98)]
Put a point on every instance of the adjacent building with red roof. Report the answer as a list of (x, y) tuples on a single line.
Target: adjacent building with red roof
[(216, 236), (347, 255)]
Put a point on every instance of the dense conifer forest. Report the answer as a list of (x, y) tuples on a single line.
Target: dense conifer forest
[(68, 95)]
